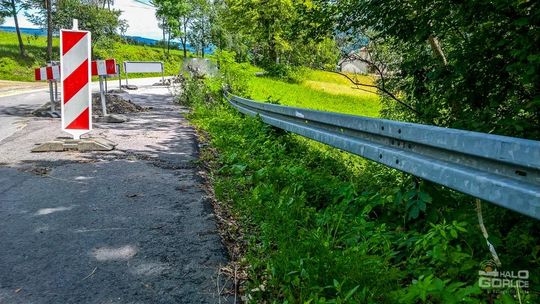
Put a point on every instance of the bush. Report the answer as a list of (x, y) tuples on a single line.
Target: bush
[(286, 72), (233, 75)]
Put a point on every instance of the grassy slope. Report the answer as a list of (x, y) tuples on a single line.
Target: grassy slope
[(320, 91), (318, 225), (13, 67), (277, 194)]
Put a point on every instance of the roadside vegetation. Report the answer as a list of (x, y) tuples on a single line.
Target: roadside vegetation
[(324, 226)]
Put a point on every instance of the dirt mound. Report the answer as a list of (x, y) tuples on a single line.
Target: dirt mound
[(116, 104)]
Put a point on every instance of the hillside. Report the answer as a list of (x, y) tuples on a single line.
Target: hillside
[(318, 90), (13, 67)]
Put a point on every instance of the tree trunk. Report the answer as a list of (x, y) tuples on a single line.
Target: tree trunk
[(203, 44), (184, 46), (48, 3), (437, 49), (184, 40), (164, 29), (16, 20), (169, 42), (272, 51)]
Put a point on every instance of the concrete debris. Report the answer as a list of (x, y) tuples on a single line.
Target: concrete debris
[(112, 118), (81, 145), (130, 87)]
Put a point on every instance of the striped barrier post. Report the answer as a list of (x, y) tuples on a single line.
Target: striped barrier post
[(47, 73), (103, 68), (52, 75), (75, 76)]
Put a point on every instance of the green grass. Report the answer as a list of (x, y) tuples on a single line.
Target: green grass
[(13, 67), (319, 90), (304, 223)]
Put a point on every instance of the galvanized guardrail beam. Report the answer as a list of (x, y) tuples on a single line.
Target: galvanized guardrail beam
[(499, 169)]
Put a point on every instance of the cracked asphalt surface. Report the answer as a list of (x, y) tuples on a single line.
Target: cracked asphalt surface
[(133, 225)]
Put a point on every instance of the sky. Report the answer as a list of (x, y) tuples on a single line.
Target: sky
[(140, 17)]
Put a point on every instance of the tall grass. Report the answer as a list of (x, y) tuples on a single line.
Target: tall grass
[(319, 90)]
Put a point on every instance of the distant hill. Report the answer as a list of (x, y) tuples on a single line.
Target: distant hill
[(43, 32), (24, 30)]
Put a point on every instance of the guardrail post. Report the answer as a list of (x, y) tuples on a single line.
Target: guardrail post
[(162, 74), (119, 76), (51, 95), (102, 96), (56, 91), (126, 73)]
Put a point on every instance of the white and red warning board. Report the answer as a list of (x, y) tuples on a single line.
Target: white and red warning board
[(47, 73), (104, 67), (75, 76)]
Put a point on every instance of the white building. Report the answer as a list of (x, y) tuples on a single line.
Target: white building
[(353, 65)]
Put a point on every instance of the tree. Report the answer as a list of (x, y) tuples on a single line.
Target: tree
[(178, 15), (41, 14), (165, 27), (471, 65), (200, 33), (266, 24), (274, 33), (12, 8), (104, 24)]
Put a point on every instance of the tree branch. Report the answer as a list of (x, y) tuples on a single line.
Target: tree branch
[(437, 49), (381, 88)]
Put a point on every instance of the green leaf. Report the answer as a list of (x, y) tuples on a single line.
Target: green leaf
[(351, 292), (414, 212), (425, 197)]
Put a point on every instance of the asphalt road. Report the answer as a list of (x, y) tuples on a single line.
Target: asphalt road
[(132, 225), (18, 101)]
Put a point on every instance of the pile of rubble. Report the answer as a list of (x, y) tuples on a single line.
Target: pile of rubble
[(116, 104)]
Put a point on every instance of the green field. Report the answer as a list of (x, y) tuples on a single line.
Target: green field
[(319, 90), (13, 67)]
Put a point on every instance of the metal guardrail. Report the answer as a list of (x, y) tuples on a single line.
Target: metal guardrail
[(499, 169)]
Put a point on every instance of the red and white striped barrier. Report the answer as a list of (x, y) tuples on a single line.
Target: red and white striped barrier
[(75, 75), (47, 73), (104, 67)]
